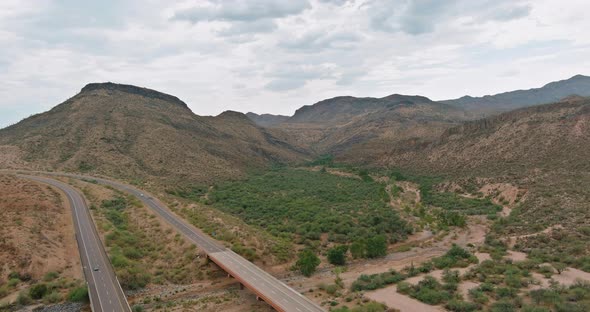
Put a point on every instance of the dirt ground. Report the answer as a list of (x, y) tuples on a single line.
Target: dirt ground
[(390, 297), (36, 233)]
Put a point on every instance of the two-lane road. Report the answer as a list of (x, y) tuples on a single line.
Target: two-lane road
[(104, 289), (267, 287)]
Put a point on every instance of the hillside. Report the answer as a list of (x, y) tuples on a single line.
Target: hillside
[(544, 150), (338, 124), (36, 240), (266, 120), (136, 133), (552, 137), (551, 92)]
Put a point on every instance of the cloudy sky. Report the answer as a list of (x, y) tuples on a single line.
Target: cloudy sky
[(273, 56)]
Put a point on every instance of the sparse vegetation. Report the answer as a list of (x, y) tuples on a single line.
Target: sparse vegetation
[(368, 307), (455, 257), (376, 281), (141, 252), (428, 290)]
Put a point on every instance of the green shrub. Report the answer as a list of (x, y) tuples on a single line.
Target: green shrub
[(376, 281), (307, 262), (23, 298), (78, 294), (376, 246), (461, 306), (455, 257), (53, 297), (137, 308), (503, 306), (13, 282), (14, 275), (3, 291), (478, 296), (358, 249), (50, 276), (38, 291), (337, 255)]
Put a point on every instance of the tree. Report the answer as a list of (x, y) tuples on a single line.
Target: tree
[(307, 262), (337, 255), (357, 249), (376, 246)]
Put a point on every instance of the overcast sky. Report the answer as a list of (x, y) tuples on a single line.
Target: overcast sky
[(273, 56)]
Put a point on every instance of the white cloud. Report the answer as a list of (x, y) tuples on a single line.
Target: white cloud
[(273, 56)]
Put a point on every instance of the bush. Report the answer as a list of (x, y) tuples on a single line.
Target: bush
[(307, 262), (23, 298), (376, 246), (455, 257), (137, 308), (53, 297), (358, 249), (503, 306), (78, 294), (38, 291), (50, 276), (429, 290), (376, 281), (14, 275), (432, 296), (13, 282), (337, 255), (461, 306)]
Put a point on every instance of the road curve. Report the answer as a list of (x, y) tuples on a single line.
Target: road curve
[(276, 293), (104, 289)]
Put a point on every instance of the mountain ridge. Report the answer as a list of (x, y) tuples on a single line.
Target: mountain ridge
[(131, 132), (548, 93), (146, 92)]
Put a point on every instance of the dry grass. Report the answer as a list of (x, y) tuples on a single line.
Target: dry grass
[(36, 234)]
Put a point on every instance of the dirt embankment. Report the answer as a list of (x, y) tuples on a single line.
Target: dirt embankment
[(36, 233)]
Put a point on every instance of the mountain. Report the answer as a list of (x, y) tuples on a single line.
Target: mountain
[(266, 120), (551, 92), (338, 124), (342, 109), (131, 132), (543, 150), (551, 137)]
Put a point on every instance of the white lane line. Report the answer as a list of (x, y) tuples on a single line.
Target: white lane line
[(73, 203), (268, 282), (207, 244), (280, 286)]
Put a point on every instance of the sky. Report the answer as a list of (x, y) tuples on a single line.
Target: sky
[(274, 56)]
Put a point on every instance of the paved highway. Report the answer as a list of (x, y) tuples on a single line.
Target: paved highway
[(264, 285), (104, 289)]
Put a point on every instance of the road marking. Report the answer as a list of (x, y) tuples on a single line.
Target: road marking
[(86, 235), (233, 260)]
